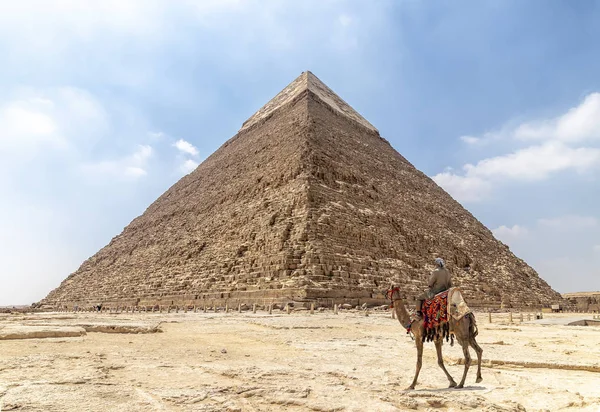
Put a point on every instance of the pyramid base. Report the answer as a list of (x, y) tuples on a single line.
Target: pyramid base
[(300, 297), (265, 297)]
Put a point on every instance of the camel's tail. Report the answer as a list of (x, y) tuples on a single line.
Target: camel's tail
[(473, 330)]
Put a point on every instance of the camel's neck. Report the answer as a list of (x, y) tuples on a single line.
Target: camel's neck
[(401, 312)]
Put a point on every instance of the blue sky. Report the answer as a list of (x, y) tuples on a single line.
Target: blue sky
[(104, 105)]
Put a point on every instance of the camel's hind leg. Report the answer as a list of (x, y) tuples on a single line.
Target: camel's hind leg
[(419, 343), (438, 348), (463, 336), (479, 351)]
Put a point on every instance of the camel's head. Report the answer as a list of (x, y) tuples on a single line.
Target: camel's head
[(393, 293)]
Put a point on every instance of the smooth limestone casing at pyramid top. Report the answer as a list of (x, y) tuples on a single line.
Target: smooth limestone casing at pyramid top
[(305, 203)]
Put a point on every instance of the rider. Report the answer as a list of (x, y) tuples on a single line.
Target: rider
[(439, 281)]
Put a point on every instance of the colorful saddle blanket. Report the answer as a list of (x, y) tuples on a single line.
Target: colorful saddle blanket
[(436, 312)]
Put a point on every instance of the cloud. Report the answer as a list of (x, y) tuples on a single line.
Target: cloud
[(487, 138), (470, 139), (579, 124), (557, 149), (596, 248), (25, 123), (188, 166), (60, 117), (132, 166), (81, 132), (44, 27), (504, 232), (186, 147), (463, 188), (535, 162), (569, 222), (156, 135), (75, 19)]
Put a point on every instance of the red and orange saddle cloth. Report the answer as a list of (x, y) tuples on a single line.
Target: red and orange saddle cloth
[(435, 312), (435, 317)]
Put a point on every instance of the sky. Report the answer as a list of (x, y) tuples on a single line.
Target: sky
[(105, 105)]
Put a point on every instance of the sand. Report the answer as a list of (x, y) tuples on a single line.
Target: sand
[(296, 362)]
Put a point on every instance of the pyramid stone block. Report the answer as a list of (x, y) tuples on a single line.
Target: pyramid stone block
[(306, 203)]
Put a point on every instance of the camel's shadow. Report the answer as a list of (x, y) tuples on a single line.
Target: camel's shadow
[(466, 388)]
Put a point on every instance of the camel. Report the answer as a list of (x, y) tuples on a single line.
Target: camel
[(464, 330)]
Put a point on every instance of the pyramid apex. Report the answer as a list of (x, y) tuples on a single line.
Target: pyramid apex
[(308, 81)]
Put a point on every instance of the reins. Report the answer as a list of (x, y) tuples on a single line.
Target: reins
[(389, 295)]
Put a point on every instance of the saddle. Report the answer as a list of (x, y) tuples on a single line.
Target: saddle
[(456, 304), (438, 309)]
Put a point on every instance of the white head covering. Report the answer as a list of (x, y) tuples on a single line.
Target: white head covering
[(440, 262)]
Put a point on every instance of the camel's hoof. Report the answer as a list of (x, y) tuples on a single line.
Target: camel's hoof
[(452, 384), (410, 388), (459, 386), (479, 379)]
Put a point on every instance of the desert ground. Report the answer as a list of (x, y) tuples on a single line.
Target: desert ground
[(293, 362)]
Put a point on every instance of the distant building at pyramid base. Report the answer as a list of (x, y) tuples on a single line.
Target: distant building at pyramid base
[(583, 301), (306, 203)]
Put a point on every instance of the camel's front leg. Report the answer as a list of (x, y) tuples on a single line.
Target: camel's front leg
[(465, 346), (438, 348), (419, 342)]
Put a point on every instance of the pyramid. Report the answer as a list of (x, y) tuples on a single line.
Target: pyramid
[(306, 203)]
